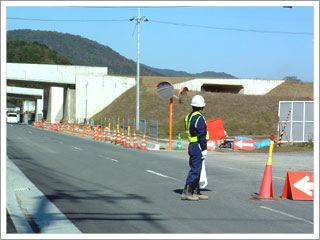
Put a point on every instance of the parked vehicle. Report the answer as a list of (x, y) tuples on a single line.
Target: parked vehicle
[(12, 117)]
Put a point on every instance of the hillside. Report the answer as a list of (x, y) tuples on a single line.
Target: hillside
[(173, 73), (84, 52), (37, 53), (80, 51), (242, 115)]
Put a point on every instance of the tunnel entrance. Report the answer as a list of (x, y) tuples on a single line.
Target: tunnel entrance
[(221, 88)]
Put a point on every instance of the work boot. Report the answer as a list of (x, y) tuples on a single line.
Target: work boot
[(198, 194), (187, 194)]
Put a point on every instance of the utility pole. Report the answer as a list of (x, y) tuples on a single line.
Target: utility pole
[(86, 102), (138, 19)]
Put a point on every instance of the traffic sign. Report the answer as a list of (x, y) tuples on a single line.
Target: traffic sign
[(298, 186), (242, 144)]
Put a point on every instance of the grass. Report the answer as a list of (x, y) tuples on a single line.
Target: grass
[(242, 115)]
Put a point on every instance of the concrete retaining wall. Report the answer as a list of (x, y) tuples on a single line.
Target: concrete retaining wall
[(250, 86), (99, 91)]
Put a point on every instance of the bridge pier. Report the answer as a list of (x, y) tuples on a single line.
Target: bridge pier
[(55, 104)]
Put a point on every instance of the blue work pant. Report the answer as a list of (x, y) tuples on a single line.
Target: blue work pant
[(195, 163)]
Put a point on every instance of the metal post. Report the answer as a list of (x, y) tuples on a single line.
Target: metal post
[(138, 71), (170, 130), (138, 19), (86, 101)]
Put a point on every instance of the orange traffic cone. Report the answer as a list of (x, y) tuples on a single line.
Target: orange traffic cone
[(108, 135), (266, 189), (135, 141), (60, 127), (128, 142), (104, 137), (143, 144), (114, 138), (100, 136), (118, 138), (96, 134), (123, 137)]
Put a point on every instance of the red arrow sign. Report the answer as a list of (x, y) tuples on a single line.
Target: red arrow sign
[(298, 186), (243, 144)]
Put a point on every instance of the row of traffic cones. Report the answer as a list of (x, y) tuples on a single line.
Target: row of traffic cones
[(120, 138), (106, 136)]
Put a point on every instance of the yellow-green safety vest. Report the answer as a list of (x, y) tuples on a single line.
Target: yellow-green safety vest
[(188, 121)]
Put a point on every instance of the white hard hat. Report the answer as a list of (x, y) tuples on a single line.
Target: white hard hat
[(198, 101)]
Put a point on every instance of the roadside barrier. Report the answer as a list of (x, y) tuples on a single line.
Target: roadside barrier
[(266, 189), (144, 143), (135, 140)]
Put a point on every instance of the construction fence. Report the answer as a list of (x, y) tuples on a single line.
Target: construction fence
[(296, 120)]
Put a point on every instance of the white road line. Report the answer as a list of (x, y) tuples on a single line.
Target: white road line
[(289, 215), (161, 175), (76, 148), (115, 160), (228, 167), (279, 178)]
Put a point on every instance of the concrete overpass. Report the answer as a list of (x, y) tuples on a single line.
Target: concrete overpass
[(70, 92), (238, 86), (32, 94)]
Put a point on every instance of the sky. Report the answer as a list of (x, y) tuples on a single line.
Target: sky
[(267, 42)]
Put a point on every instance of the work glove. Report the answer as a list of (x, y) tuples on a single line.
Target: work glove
[(204, 154)]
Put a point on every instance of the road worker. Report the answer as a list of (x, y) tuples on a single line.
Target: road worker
[(196, 128)]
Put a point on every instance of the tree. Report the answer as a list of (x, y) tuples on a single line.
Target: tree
[(291, 79)]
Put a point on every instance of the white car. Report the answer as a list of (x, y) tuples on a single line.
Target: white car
[(12, 118)]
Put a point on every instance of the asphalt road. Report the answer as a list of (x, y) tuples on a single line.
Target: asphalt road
[(105, 188)]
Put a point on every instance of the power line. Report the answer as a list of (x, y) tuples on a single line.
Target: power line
[(68, 20), (128, 7), (163, 22), (231, 29)]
